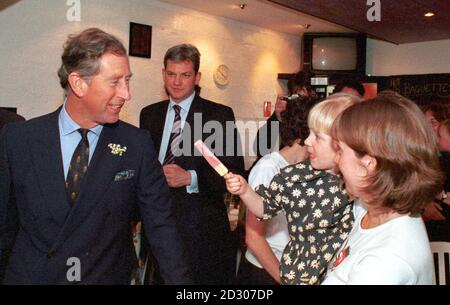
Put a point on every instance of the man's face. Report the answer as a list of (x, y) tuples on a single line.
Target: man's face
[(107, 91), (180, 79)]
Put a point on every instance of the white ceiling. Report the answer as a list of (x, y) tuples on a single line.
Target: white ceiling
[(263, 14)]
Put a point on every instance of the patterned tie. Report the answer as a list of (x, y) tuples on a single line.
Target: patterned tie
[(78, 166), (175, 137)]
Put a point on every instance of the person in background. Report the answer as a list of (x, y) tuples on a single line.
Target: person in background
[(387, 156), (436, 113), (197, 189), (437, 214), (266, 240), (267, 139), (317, 209), (9, 117), (73, 180), (350, 86)]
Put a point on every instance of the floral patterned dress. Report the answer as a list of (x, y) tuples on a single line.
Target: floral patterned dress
[(319, 215)]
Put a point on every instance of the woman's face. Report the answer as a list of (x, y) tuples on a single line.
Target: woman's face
[(444, 138), (352, 169), (321, 151)]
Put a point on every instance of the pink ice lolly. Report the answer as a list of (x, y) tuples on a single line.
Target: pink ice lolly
[(210, 158)]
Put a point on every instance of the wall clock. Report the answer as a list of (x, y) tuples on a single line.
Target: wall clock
[(222, 75)]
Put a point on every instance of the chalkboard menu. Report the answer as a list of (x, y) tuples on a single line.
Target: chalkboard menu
[(422, 89)]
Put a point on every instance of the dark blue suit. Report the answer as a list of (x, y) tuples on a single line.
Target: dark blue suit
[(202, 217), (40, 231)]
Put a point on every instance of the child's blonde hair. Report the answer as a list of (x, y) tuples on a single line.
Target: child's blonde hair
[(322, 115)]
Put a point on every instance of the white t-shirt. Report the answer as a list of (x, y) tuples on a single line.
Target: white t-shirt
[(394, 253), (277, 234)]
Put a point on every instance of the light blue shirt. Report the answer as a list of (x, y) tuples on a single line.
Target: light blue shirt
[(170, 116), (70, 137)]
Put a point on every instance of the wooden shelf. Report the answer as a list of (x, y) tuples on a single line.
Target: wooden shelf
[(285, 75)]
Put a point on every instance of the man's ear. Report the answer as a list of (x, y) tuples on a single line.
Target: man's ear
[(198, 77), (370, 163), (78, 84)]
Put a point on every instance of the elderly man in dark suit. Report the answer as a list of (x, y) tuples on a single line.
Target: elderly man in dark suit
[(9, 117), (76, 178), (176, 124)]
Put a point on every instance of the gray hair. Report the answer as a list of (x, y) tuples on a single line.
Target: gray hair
[(82, 53)]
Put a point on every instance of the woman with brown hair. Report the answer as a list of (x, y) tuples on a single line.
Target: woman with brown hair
[(387, 155)]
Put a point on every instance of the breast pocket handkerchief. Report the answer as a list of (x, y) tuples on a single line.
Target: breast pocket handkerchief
[(124, 175)]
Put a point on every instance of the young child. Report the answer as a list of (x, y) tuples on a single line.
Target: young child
[(317, 208)]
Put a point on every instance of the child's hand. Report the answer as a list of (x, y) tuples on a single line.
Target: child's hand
[(236, 184)]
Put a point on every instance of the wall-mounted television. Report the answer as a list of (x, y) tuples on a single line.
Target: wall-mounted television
[(334, 54)]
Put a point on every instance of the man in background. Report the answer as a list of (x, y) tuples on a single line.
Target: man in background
[(350, 86), (197, 189), (267, 139)]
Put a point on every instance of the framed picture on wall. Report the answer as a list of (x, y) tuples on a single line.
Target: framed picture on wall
[(140, 40), (12, 109)]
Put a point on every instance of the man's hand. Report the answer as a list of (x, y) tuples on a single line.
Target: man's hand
[(176, 176)]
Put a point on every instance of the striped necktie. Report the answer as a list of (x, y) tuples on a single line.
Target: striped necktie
[(175, 137), (78, 166)]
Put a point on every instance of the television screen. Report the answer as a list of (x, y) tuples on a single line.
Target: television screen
[(334, 53)]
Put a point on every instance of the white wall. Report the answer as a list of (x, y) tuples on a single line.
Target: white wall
[(384, 59), (33, 32)]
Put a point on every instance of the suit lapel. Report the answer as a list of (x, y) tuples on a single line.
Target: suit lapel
[(160, 120), (184, 160), (196, 107), (101, 170), (45, 151), (100, 174)]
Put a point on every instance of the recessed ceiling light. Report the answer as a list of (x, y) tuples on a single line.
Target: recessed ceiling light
[(429, 14), (304, 26)]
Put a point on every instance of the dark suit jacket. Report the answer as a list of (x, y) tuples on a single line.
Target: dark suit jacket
[(9, 117), (40, 231), (202, 217), (266, 139)]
